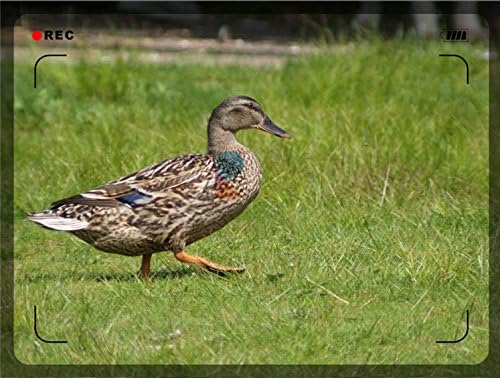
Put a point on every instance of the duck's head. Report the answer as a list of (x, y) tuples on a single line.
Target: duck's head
[(242, 112)]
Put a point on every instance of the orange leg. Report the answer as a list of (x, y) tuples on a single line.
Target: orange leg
[(145, 266), (205, 264)]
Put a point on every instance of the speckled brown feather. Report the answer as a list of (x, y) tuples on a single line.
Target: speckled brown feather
[(190, 200)]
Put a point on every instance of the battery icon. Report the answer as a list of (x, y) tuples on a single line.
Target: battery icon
[(459, 35)]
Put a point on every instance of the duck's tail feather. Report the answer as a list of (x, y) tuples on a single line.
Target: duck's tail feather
[(55, 222)]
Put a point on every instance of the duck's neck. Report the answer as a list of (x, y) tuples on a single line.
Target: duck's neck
[(220, 140)]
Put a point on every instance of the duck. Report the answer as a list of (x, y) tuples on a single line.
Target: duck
[(169, 205)]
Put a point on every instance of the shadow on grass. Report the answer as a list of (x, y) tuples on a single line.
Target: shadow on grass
[(165, 274)]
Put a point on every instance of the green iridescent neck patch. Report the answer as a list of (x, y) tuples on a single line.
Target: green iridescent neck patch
[(229, 164)]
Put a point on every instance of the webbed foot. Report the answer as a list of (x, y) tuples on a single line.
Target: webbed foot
[(205, 264)]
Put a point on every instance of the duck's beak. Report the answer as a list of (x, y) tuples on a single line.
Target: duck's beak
[(268, 126)]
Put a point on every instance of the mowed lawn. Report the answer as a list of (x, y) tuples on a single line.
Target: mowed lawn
[(367, 243)]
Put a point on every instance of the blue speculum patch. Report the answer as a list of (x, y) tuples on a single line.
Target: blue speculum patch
[(229, 164), (135, 198)]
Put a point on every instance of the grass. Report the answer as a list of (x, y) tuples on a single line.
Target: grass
[(367, 243)]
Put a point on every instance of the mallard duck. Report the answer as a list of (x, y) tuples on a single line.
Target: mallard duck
[(169, 205)]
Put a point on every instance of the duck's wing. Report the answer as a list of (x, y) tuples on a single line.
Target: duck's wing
[(143, 186)]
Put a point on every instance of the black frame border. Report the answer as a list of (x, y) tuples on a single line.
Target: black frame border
[(12, 367)]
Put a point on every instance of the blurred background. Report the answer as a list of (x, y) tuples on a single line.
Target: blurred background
[(161, 32), (198, 19)]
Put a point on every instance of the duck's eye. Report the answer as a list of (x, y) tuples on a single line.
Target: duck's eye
[(251, 106), (237, 110)]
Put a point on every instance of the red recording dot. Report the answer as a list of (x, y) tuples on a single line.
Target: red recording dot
[(36, 35)]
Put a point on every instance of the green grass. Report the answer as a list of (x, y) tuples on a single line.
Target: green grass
[(380, 198)]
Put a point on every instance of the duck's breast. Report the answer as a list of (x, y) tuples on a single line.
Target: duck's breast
[(235, 183)]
